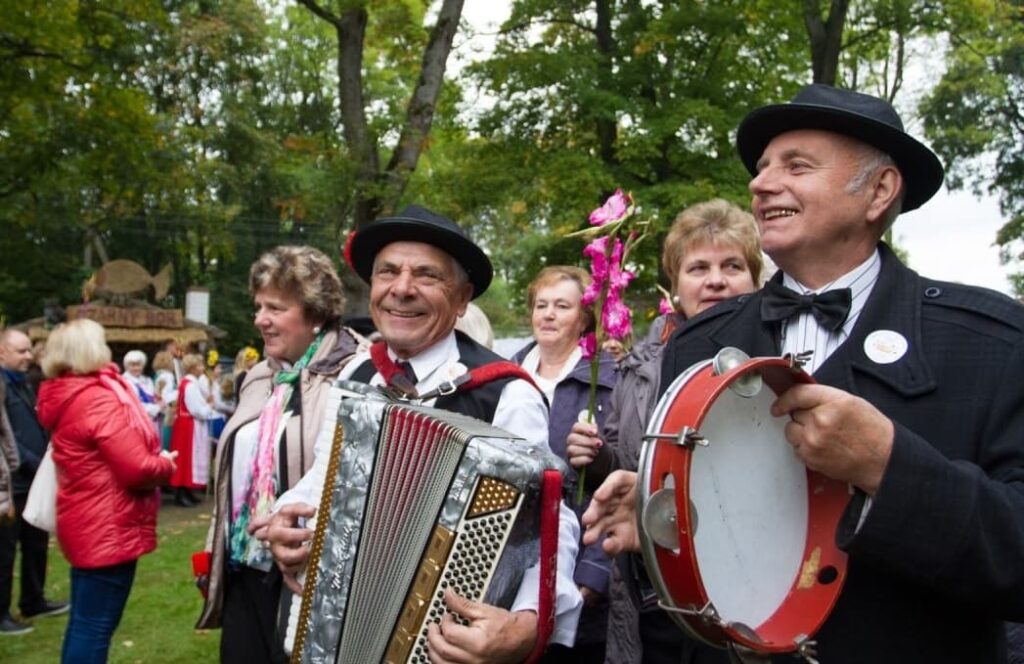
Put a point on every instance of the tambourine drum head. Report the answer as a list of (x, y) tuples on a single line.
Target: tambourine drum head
[(750, 493), (755, 561)]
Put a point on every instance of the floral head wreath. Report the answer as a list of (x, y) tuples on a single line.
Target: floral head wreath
[(212, 358), (250, 354)]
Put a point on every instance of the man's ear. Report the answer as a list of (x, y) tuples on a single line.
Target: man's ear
[(885, 191), (465, 295)]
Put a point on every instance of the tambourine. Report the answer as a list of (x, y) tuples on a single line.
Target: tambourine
[(738, 536)]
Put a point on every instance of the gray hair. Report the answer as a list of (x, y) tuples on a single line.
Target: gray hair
[(134, 357), (871, 161)]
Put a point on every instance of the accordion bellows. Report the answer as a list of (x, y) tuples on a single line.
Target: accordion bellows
[(418, 499)]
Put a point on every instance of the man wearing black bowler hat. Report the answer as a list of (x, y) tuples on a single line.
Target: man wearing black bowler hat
[(919, 406), (423, 271)]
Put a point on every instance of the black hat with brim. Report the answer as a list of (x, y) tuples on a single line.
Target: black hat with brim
[(863, 117), (418, 224)]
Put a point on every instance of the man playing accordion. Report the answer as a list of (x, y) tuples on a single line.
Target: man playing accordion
[(423, 271)]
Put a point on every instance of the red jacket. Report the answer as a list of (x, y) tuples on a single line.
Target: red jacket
[(108, 468)]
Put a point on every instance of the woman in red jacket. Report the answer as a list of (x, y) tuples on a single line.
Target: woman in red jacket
[(109, 465)]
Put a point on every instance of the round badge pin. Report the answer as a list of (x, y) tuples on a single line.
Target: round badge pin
[(885, 346), (456, 369)]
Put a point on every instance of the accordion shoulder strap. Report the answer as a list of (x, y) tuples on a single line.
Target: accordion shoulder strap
[(551, 497), (472, 379), (496, 371), (481, 376)]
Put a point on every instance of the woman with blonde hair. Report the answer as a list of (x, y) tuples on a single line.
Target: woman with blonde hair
[(245, 359), (190, 435), (109, 465), (267, 445)]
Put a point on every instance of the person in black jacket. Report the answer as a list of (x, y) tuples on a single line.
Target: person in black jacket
[(918, 406), (20, 405)]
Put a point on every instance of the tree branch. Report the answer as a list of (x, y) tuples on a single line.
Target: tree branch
[(20, 49), (826, 38), (321, 12), (526, 25), (420, 111)]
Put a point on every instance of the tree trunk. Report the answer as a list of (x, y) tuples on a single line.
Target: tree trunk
[(379, 192), (605, 127), (826, 38), (362, 144), (419, 115)]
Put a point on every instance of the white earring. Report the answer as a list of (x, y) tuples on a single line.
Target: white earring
[(675, 299), (316, 329)]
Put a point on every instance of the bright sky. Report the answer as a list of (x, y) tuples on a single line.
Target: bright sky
[(951, 237)]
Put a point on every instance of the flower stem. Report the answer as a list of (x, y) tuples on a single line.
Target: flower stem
[(595, 359)]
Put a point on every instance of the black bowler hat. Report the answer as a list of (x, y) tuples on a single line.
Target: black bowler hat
[(418, 224), (868, 119)]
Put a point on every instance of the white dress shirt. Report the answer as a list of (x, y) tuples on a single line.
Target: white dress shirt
[(803, 332), (521, 411)]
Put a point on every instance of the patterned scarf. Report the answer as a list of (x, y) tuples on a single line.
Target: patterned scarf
[(262, 490)]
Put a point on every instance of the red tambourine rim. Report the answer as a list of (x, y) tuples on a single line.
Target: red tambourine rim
[(823, 567)]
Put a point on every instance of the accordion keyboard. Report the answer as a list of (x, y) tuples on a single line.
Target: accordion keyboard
[(415, 500)]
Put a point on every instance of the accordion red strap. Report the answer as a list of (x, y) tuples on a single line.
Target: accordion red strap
[(550, 498), (496, 371)]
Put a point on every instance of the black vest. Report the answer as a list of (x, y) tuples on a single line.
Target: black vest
[(479, 403)]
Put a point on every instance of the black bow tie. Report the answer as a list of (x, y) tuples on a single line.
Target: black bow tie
[(829, 308)]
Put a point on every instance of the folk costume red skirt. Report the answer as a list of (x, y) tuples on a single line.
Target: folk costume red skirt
[(190, 438)]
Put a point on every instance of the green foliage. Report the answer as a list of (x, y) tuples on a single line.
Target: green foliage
[(169, 132), (879, 37), (646, 100), (975, 112), (202, 133)]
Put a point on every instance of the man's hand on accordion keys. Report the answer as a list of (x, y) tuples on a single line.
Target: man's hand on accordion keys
[(492, 635), (289, 544)]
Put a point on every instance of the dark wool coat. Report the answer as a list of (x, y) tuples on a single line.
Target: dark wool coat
[(937, 564)]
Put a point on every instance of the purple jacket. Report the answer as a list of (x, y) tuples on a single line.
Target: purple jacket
[(571, 396)]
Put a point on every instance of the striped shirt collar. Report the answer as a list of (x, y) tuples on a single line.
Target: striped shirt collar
[(803, 332)]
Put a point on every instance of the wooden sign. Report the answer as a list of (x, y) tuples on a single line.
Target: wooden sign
[(128, 316)]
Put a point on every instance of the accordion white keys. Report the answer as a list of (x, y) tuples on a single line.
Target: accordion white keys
[(415, 500)]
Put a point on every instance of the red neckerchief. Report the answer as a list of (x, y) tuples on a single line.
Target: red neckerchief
[(393, 374)]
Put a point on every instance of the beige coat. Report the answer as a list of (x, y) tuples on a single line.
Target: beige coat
[(8, 460), (335, 351)]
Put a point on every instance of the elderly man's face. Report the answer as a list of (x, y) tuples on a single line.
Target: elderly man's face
[(415, 297), (15, 350), (802, 202)]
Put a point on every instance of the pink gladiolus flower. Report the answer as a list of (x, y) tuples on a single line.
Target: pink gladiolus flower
[(616, 319), (614, 208), (665, 307), (588, 344), (591, 294), (598, 261), (618, 278), (617, 251)]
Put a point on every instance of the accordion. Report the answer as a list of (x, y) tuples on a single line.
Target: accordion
[(414, 500)]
